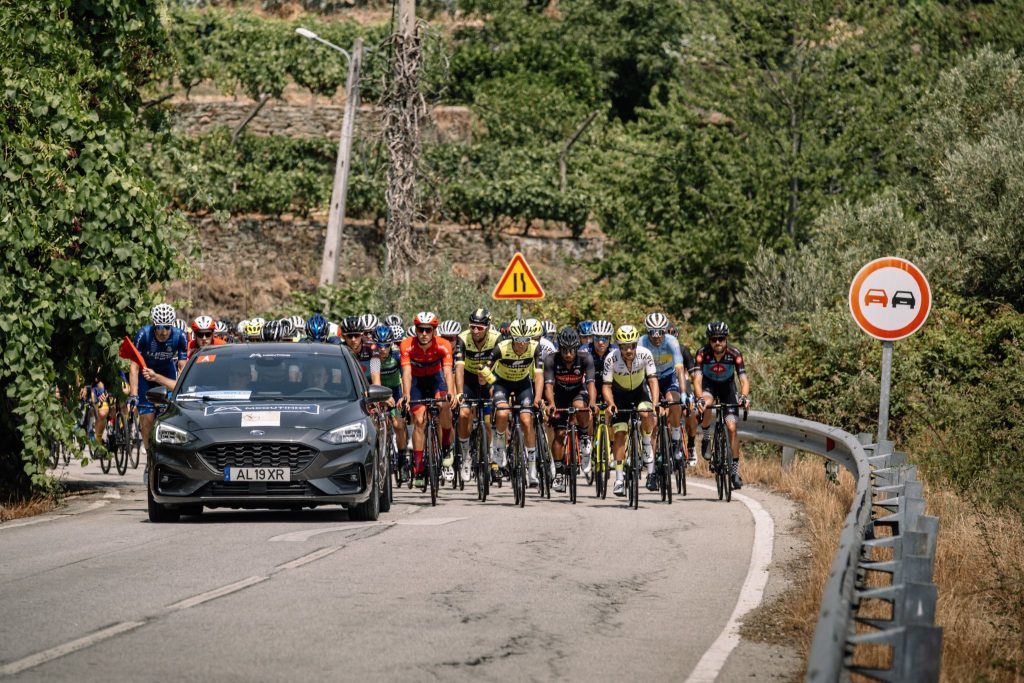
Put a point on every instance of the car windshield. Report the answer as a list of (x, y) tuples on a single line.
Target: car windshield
[(298, 375)]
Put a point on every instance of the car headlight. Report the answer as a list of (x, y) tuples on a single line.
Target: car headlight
[(174, 436), (350, 433)]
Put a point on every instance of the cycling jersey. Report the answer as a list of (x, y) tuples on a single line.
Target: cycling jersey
[(625, 378), (162, 357), (475, 356), (424, 362), (719, 371), (568, 379), (366, 355), (505, 365), (547, 347), (389, 369), (667, 356)]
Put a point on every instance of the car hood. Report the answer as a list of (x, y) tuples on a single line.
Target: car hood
[(267, 416)]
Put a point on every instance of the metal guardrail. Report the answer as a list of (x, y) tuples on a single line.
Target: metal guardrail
[(886, 519)]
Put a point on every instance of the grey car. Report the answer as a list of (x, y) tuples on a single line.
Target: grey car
[(275, 425)]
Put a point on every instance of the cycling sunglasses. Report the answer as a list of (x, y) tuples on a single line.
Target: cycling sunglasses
[(424, 330), (355, 335), (602, 338), (478, 328), (204, 335), (520, 340), (162, 328), (717, 340), (627, 347)]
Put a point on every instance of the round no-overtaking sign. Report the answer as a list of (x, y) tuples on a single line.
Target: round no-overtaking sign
[(890, 298)]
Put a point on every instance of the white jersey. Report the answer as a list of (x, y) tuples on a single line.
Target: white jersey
[(547, 347), (628, 378)]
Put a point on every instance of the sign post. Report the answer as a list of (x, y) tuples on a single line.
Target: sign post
[(890, 299), (518, 283)]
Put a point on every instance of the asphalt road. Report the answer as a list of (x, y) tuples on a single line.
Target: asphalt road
[(461, 591)]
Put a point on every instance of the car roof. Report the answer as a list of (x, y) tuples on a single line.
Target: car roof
[(299, 348)]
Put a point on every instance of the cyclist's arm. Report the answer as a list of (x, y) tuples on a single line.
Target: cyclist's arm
[(698, 376), (375, 370), (652, 384), (133, 379), (486, 370), (741, 372)]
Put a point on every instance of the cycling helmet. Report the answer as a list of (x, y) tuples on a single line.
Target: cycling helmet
[(397, 333), (220, 328), (425, 318), (568, 339), (203, 323), (316, 327), (716, 329), (287, 329), (411, 332), (549, 328), (272, 330), (163, 314), (585, 328), (369, 322), (241, 326), (181, 325), (333, 330), (382, 334), (261, 321), (393, 319), (503, 329), (672, 330), (602, 328), (533, 328), (480, 316), (519, 331), (449, 328), (297, 322), (351, 325), (627, 334), (656, 322), (253, 330)]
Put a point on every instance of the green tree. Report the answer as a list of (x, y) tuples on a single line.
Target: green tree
[(83, 232)]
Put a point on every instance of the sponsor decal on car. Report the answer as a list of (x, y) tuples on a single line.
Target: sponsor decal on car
[(277, 408)]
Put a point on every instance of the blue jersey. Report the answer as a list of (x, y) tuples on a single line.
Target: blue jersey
[(667, 356), (162, 357)]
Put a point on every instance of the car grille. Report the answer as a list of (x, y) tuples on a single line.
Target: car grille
[(241, 488), (259, 454)]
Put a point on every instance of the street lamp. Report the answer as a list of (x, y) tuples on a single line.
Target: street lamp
[(336, 214)]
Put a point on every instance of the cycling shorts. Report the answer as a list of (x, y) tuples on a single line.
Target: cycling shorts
[(638, 399), (472, 389), (145, 407), (564, 399), (523, 392), (427, 386), (668, 383), (722, 393)]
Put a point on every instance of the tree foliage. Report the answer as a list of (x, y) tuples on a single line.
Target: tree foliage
[(81, 225)]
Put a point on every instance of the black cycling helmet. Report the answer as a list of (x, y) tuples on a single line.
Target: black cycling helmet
[(272, 330), (503, 328), (716, 329), (351, 325), (480, 316), (568, 339)]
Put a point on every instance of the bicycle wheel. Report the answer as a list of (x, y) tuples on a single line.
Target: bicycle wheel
[(600, 457), (432, 465), (718, 459), (120, 442), (90, 433), (483, 469), (572, 450), (456, 465), (53, 458), (134, 439), (727, 450), (659, 462), (513, 462), (543, 463), (666, 470)]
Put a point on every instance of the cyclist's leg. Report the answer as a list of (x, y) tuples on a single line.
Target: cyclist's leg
[(524, 397), (501, 413), (705, 425), (102, 413), (648, 423), (420, 389)]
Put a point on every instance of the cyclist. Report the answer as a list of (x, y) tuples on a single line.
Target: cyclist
[(631, 381), (536, 332), (164, 350), (503, 331), (475, 345), (671, 365), (515, 367), (716, 367), (585, 328), (550, 331), (393, 319), (387, 365), (253, 331), (364, 351), (569, 381), (599, 348), (426, 373), (450, 330), (369, 322), (203, 334)]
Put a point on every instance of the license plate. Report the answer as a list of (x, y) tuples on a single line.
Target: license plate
[(257, 474)]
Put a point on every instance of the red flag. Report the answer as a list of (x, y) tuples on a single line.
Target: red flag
[(129, 351)]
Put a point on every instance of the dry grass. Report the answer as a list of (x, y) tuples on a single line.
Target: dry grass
[(35, 506), (979, 570)]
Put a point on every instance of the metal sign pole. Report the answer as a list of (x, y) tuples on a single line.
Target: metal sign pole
[(519, 310), (883, 402)]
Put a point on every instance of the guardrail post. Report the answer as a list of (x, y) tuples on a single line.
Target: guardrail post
[(788, 455)]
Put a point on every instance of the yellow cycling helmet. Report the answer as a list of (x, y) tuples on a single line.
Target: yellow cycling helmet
[(627, 334), (534, 329), (253, 328), (519, 331)]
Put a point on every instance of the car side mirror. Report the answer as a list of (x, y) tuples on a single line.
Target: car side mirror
[(377, 394), (157, 396)]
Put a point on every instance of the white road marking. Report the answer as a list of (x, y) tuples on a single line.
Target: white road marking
[(312, 557), (710, 665), (218, 592), (56, 515), (67, 648), (300, 536), (111, 493)]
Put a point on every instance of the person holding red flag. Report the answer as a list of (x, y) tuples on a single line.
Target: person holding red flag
[(163, 350)]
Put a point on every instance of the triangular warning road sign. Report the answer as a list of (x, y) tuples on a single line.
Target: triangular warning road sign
[(518, 282)]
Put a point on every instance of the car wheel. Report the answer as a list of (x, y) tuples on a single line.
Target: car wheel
[(368, 511), (386, 493), (159, 514)]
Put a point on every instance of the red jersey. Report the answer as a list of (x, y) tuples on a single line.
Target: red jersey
[(428, 361), (217, 341)]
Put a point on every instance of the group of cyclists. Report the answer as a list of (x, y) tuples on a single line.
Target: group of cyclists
[(602, 371)]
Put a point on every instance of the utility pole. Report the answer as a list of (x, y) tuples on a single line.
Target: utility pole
[(342, 168), (407, 17)]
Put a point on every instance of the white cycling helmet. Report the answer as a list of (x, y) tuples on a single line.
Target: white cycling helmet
[(163, 314), (602, 328), (449, 328), (219, 328), (656, 322), (181, 325)]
